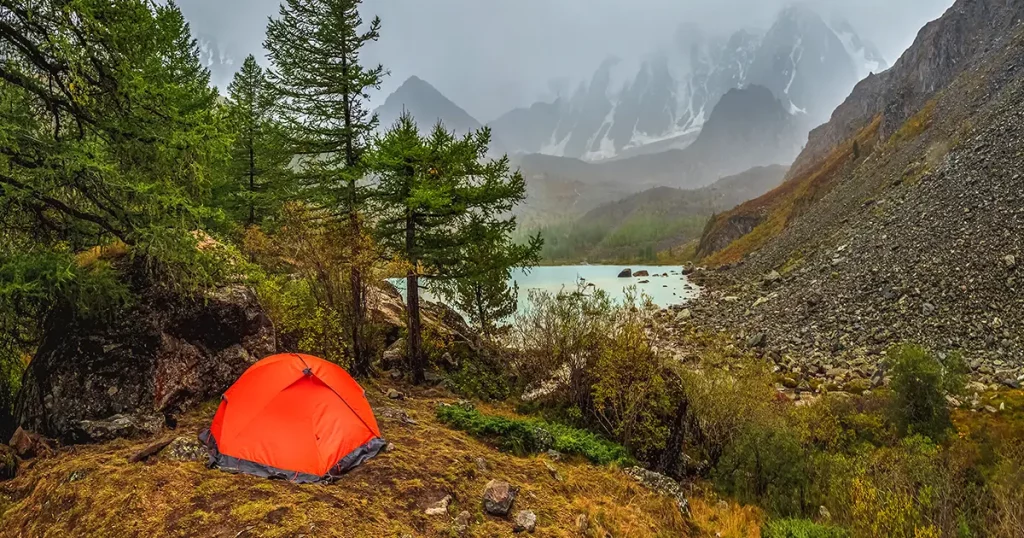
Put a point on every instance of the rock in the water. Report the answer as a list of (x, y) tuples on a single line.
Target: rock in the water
[(27, 445), (440, 508), (118, 426), (185, 448), (8, 463), (641, 274), (160, 356), (526, 521), (626, 273), (499, 497)]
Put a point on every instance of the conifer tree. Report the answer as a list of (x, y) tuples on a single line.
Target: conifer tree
[(440, 203), (315, 48), (256, 186), (108, 134)]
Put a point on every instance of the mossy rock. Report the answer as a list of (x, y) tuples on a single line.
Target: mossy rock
[(790, 383), (857, 386)]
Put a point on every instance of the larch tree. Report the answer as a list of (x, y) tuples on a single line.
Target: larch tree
[(440, 201), (108, 134), (257, 182), (315, 48)]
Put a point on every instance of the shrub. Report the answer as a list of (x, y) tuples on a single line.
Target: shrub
[(801, 528), (920, 383), (530, 435), (578, 350), (768, 466)]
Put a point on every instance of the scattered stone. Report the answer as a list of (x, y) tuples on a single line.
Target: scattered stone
[(1010, 261), (991, 409), (661, 484), (433, 378), (390, 447), (481, 464), (644, 282), (118, 427), (684, 315), (731, 299), (525, 521), (626, 273), (185, 448), (824, 513), (553, 471), (440, 507), (28, 445), (759, 302), (462, 522), (499, 496), (641, 274), (757, 340), (396, 414), (394, 356), (772, 277), (582, 524), (554, 454), (394, 394), (1012, 383)]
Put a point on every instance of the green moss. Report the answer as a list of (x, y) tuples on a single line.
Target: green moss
[(527, 436), (801, 528)]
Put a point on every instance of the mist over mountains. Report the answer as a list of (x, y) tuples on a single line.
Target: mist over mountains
[(662, 102)]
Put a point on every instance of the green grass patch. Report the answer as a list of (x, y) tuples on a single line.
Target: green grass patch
[(531, 436), (801, 528)]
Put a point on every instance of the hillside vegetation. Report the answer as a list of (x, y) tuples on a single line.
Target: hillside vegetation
[(653, 225)]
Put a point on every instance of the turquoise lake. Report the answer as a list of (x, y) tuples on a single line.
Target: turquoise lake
[(665, 291)]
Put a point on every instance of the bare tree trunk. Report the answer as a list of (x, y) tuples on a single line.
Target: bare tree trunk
[(412, 291)]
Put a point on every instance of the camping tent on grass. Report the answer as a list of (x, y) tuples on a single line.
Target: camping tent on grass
[(293, 417)]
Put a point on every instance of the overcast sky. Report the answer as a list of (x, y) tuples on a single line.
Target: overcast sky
[(492, 55)]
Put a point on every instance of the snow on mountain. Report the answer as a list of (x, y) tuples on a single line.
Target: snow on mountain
[(663, 102)]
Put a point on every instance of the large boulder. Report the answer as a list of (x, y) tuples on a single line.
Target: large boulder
[(158, 356)]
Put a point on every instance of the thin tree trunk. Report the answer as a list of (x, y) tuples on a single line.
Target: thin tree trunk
[(412, 287), (252, 182), (360, 356)]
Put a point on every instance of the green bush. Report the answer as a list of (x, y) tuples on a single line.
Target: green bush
[(801, 528), (766, 464), (529, 436), (920, 383)]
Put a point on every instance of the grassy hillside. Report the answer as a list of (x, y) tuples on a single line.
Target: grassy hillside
[(654, 224), (95, 491)]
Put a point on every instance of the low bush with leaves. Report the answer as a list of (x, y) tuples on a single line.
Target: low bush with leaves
[(921, 380), (530, 435)]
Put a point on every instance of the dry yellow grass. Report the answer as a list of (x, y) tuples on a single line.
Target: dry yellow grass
[(95, 491)]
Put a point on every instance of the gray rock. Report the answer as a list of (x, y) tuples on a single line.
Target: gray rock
[(394, 394), (440, 508), (462, 522), (757, 340), (1010, 261), (499, 496), (626, 273), (185, 449), (1012, 383), (163, 354), (119, 426), (525, 521), (641, 274), (772, 277), (684, 315)]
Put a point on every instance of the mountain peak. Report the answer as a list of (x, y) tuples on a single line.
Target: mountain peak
[(427, 105)]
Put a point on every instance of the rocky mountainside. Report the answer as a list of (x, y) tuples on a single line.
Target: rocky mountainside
[(626, 110), (901, 219), (427, 106)]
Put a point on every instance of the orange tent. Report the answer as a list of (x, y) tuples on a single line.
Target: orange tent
[(293, 417)]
